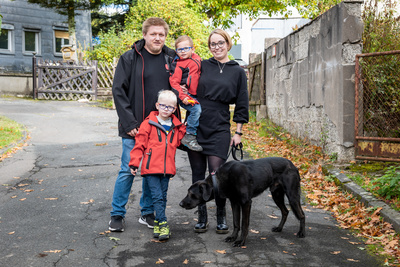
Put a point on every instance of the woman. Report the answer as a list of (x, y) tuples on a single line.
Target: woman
[(222, 82)]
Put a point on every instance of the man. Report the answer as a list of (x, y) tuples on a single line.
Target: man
[(140, 74)]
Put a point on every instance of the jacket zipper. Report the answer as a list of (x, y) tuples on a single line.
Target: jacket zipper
[(148, 159)]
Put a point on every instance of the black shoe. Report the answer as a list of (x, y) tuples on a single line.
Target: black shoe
[(148, 220), (116, 224), (202, 224), (222, 227)]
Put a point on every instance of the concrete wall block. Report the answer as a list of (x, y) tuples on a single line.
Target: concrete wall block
[(350, 51)]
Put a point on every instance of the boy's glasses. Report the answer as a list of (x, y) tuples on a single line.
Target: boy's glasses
[(183, 49), (165, 107), (219, 44)]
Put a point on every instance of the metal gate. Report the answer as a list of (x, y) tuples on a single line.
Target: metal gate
[(65, 80), (377, 106)]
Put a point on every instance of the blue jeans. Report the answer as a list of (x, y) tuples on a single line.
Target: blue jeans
[(123, 185), (158, 186), (193, 118)]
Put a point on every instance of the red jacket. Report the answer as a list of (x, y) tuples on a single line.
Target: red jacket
[(157, 148), (185, 71)]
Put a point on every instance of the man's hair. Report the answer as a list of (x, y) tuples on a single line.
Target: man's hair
[(183, 38), (154, 22), (167, 95), (224, 35)]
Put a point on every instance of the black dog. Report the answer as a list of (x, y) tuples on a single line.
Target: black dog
[(240, 181)]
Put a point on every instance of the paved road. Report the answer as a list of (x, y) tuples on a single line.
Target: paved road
[(55, 197)]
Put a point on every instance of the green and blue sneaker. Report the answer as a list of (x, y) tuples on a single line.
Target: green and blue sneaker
[(164, 231), (156, 229)]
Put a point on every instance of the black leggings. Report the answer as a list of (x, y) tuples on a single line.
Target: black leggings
[(198, 164)]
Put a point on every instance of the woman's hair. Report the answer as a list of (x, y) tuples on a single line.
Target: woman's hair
[(154, 22), (167, 95), (183, 38), (224, 35)]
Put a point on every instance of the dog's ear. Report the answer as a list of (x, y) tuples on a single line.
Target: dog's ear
[(206, 191)]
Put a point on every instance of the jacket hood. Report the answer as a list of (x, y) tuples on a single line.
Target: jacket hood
[(231, 62)]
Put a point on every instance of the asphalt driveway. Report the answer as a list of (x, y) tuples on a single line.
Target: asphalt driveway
[(55, 199)]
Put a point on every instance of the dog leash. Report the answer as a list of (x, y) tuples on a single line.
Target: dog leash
[(234, 149)]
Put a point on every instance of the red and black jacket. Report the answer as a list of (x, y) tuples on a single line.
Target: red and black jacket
[(156, 146), (185, 72)]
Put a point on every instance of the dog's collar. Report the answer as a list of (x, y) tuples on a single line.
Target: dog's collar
[(215, 184)]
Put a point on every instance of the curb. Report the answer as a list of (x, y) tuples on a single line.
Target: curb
[(389, 215)]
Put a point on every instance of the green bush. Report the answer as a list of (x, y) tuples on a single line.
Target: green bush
[(180, 16), (388, 185)]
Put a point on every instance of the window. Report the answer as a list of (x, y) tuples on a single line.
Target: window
[(31, 41), (6, 38), (61, 38)]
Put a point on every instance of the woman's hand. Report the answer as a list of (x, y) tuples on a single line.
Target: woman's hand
[(184, 89), (236, 139)]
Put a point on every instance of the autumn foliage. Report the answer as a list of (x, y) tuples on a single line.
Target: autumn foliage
[(263, 139)]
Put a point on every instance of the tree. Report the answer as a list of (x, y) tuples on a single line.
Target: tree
[(221, 12), (182, 20), (102, 19)]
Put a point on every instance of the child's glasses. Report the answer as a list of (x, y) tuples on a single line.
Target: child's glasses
[(183, 49), (165, 107), (219, 44)]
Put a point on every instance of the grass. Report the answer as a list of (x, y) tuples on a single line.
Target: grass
[(10, 132)]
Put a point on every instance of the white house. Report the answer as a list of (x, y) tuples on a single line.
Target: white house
[(256, 35)]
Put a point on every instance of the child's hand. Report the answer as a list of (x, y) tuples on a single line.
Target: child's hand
[(186, 101)]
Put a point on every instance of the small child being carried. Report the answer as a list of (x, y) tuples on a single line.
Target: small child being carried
[(185, 71)]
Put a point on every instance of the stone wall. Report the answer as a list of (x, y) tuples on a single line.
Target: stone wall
[(310, 79)]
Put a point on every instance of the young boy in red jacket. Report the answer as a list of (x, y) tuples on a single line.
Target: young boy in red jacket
[(156, 142), (185, 71)]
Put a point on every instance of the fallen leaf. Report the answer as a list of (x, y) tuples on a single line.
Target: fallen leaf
[(186, 261), (353, 260), (29, 190), (160, 261), (51, 198), (20, 185), (80, 170), (335, 252), (254, 231), (114, 238), (185, 223), (22, 199), (221, 251), (11, 233), (206, 262), (273, 217), (263, 238), (285, 252), (101, 144), (243, 247), (52, 251), (13, 196)]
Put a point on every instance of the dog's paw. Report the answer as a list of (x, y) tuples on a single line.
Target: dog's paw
[(301, 235), (230, 238), (276, 229), (239, 243)]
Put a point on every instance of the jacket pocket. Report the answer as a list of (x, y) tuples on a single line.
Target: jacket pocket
[(148, 158)]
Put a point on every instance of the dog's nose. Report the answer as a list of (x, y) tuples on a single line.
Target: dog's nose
[(181, 204)]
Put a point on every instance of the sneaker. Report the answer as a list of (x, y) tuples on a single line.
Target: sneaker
[(164, 232), (148, 220), (190, 141), (116, 224), (156, 230)]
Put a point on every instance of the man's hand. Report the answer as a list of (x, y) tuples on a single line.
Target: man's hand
[(133, 132)]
